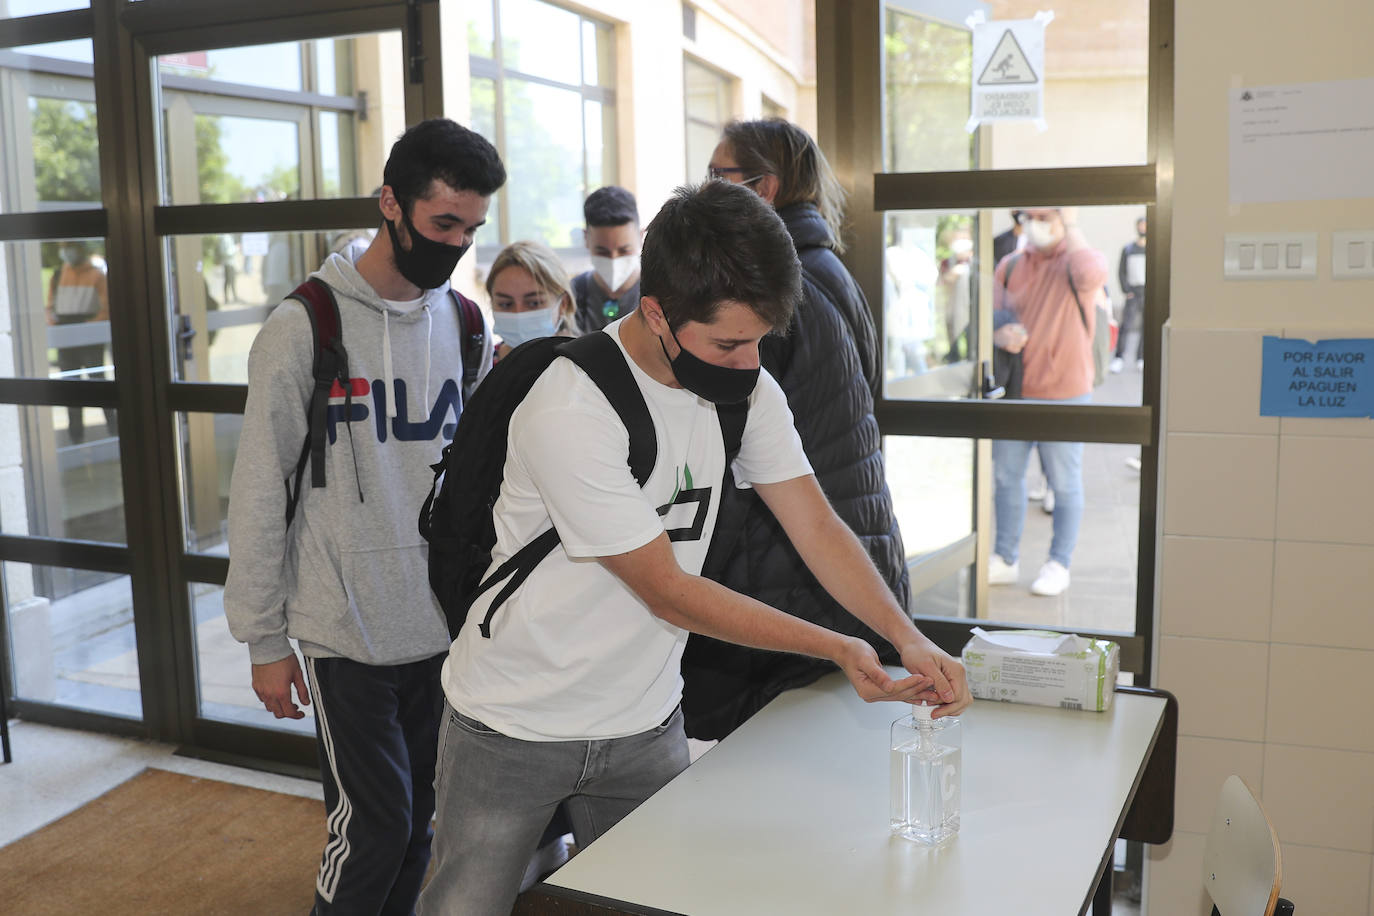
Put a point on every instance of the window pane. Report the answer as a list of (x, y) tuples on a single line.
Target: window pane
[(701, 143), (707, 107), (1095, 78), (705, 94), (333, 66), (15, 8), (928, 95), (931, 481), (72, 638), (337, 177), (1101, 522), (222, 287), (598, 54), (940, 293), (54, 310), (276, 66), (600, 143), (544, 160), (207, 444), (233, 134), (223, 674), (244, 159), (48, 129), (60, 473), (541, 40), (481, 32)]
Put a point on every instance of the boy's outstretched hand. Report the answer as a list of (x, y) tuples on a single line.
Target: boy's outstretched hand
[(871, 682)]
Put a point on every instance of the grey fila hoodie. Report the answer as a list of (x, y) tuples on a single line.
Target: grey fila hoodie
[(350, 577)]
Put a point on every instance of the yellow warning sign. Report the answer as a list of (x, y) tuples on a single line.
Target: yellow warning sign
[(1008, 65)]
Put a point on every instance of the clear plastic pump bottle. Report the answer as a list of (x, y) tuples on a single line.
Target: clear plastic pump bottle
[(927, 755)]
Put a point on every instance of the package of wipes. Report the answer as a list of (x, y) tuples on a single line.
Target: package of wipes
[(1042, 668)]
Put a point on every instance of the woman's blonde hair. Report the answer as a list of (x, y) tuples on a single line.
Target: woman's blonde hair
[(777, 147), (548, 272)]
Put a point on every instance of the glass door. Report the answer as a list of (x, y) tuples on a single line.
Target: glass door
[(951, 195)]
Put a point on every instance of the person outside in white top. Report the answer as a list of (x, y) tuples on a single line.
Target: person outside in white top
[(574, 696)]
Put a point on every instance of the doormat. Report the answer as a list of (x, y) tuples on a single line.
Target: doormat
[(167, 843)]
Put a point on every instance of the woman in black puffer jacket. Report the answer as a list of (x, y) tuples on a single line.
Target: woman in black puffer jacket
[(827, 364)]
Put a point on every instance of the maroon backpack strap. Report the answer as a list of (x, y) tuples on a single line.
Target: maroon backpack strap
[(330, 364), (472, 333)]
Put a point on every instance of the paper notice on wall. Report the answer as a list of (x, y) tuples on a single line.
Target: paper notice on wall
[(1008, 69), (1328, 378), (1302, 141)]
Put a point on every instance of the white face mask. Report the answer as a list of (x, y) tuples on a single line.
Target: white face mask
[(614, 272), (514, 328), (1041, 233)]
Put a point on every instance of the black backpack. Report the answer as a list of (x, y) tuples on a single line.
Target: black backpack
[(456, 518), (330, 368)]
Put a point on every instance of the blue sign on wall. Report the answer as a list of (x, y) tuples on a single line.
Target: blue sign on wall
[(1329, 378)]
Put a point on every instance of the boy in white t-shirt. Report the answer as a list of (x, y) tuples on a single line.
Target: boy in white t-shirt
[(573, 699)]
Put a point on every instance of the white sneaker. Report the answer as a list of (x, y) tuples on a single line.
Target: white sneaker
[(1000, 572), (545, 861), (1052, 581), (1116, 365), (1048, 503), (1036, 491)]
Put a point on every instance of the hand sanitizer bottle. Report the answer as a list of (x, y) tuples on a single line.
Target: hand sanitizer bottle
[(926, 758)]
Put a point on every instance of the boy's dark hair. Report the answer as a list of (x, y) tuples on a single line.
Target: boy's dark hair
[(442, 149), (719, 242), (610, 206)]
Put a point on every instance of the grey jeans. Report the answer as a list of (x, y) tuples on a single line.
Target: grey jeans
[(495, 795)]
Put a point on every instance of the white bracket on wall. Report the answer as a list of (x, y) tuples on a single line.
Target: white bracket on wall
[(1270, 256), (1352, 254)]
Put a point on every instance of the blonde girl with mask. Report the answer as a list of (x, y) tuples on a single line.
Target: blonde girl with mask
[(531, 296)]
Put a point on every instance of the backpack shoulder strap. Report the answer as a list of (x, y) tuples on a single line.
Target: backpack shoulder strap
[(330, 363), (599, 356), (732, 419), (1011, 265), (472, 333), (1073, 288)]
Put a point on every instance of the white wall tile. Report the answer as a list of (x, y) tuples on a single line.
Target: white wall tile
[(1326, 881), (1203, 765), (1220, 685), (1211, 386), (1220, 486), (1319, 697), (1324, 490), (1173, 883), (1318, 797), (1323, 594), (1215, 587)]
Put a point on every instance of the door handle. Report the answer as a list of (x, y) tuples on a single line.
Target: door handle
[(186, 332), (991, 390)]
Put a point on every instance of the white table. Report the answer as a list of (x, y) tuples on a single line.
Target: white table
[(789, 815)]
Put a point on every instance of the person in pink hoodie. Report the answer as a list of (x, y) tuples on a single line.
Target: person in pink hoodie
[(1043, 301)]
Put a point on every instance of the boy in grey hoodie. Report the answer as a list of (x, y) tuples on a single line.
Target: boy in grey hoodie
[(347, 577)]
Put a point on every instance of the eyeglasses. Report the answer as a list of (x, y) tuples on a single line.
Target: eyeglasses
[(722, 171), (714, 172)]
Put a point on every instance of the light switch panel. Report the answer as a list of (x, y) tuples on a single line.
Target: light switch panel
[(1352, 254), (1273, 256)]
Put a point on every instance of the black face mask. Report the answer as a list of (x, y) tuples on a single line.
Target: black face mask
[(717, 384), (428, 264)]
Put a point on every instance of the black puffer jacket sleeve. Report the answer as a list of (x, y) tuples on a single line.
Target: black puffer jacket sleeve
[(827, 364)]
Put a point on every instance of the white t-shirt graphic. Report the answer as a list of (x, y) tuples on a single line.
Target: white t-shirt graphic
[(573, 653)]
